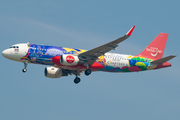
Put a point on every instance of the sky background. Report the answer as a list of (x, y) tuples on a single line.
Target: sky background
[(85, 24)]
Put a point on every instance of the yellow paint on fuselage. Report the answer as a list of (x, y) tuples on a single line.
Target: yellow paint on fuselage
[(71, 49)]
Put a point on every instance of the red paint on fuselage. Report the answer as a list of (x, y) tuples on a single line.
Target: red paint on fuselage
[(166, 64), (80, 67)]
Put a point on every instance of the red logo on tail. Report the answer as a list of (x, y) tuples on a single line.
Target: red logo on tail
[(154, 51), (70, 59)]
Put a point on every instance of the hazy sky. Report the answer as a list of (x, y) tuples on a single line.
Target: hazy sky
[(85, 24)]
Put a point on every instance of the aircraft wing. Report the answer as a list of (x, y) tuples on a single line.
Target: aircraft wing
[(93, 54)]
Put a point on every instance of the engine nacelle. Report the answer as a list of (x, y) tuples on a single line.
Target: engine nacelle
[(52, 72), (69, 60)]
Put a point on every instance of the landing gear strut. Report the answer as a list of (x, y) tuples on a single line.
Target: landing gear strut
[(25, 66), (88, 71)]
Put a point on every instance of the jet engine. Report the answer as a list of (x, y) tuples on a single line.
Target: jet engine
[(69, 60), (52, 72)]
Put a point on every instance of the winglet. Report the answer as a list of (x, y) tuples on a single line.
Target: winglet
[(130, 31)]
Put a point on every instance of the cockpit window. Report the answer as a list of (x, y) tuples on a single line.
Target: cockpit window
[(14, 47)]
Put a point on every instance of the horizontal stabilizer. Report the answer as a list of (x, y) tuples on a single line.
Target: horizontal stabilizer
[(162, 60)]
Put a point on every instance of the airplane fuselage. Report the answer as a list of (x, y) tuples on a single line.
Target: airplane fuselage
[(109, 62)]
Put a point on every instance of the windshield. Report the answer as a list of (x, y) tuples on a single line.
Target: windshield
[(14, 47)]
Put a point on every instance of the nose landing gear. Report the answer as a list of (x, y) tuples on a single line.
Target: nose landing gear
[(24, 70), (25, 65)]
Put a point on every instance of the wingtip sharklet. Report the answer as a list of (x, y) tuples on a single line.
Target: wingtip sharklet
[(130, 31)]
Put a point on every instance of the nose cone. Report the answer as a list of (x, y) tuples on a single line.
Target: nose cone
[(5, 53)]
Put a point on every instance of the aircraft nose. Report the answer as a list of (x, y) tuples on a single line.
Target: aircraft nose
[(5, 53)]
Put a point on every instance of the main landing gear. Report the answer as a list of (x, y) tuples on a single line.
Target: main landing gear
[(25, 66), (87, 72), (77, 79)]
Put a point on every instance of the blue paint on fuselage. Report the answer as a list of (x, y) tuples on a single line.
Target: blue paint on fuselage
[(43, 54)]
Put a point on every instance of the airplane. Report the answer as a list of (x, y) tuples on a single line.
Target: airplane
[(71, 61)]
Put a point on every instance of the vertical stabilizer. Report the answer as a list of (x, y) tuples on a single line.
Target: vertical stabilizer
[(155, 49)]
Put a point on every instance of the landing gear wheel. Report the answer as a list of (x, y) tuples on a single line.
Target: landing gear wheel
[(24, 70), (25, 65), (88, 72), (77, 80)]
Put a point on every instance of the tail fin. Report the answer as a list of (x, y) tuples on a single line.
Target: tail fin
[(155, 49)]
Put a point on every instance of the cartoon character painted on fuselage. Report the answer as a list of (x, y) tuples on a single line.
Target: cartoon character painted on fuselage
[(66, 61)]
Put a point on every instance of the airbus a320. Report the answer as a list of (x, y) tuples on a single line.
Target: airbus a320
[(71, 61)]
